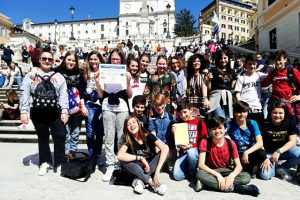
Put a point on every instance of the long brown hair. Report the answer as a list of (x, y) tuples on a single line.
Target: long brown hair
[(88, 67), (12, 94), (142, 133)]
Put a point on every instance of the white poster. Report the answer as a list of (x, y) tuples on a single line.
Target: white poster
[(113, 77)]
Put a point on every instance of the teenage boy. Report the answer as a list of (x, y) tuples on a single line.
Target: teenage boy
[(248, 89), (139, 107), (286, 83), (214, 163), (186, 163), (247, 136)]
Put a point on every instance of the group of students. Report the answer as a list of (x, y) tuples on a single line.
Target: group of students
[(140, 119)]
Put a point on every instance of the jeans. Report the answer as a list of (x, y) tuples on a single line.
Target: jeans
[(94, 128), (113, 124), (42, 122), (186, 163), (211, 181), (219, 112), (72, 133), (136, 168), (19, 81), (292, 158)]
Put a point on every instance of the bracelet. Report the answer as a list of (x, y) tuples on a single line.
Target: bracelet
[(205, 97)]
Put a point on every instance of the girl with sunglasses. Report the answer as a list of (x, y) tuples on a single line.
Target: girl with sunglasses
[(55, 118)]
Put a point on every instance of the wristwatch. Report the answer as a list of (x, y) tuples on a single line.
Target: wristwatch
[(278, 151)]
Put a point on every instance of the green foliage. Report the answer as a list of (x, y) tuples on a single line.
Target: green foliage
[(184, 26)]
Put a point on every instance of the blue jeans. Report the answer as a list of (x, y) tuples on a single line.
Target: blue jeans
[(94, 128), (219, 112), (292, 158), (186, 163), (19, 80), (72, 133)]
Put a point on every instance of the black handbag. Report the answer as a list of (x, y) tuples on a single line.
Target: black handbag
[(82, 166)]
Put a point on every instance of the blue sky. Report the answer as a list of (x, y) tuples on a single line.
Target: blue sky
[(48, 10)]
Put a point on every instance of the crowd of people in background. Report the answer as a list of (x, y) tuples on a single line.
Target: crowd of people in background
[(242, 111)]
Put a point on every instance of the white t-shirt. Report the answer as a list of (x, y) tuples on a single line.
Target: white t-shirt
[(250, 88), (137, 89)]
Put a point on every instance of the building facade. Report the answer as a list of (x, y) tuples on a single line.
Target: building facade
[(279, 26), (148, 18), (85, 31), (233, 18), (137, 19), (6, 27)]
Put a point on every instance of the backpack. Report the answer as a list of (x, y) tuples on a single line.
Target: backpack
[(248, 124), (44, 96), (230, 161), (74, 101), (290, 76)]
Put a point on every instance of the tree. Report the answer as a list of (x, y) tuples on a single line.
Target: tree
[(184, 26)]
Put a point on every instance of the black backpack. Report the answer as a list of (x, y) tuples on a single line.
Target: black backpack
[(248, 124), (44, 96)]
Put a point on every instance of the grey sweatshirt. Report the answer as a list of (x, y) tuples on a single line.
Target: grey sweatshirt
[(29, 86)]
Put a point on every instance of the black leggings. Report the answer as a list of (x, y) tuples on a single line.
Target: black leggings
[(43, 120), (255, 158)]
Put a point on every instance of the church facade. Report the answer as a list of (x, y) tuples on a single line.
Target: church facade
[(137, 19)]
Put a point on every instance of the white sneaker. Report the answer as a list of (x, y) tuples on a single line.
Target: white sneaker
[(109, 171), (162, 189), (138, 186), (44, 168)]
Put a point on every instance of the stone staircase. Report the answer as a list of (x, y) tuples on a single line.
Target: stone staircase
[(10, 132)]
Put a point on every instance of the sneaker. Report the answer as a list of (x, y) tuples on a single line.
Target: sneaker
[(198, 186), (108, 174), (284, 174), (160, 189), (246, 189), (138, 186), (44, 168)]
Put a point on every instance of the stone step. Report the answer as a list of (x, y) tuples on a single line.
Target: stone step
[(29, 138), (18, 122), (16, 130)]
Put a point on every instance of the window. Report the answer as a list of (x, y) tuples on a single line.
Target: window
[(243, 21), (165, 30), (237, 38), (242, 14), (237, 20), (237, 28), (243, 30), (102, 36), (273, 39), (229, 11), (94, 31), (223, 10), (223, 26), (127, 32), (224, 36), (86, 24), (78, 24), (270, 2), (223, 17), (40, 35), (49, 34), (3, 32), (229, 18), (78, 32), (86, 32), (102, 27), (94, 23), (230, 27)]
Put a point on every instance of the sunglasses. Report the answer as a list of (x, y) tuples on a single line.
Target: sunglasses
[(45, 59)]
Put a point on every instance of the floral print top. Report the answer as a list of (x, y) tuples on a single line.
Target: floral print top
[(164, 84)]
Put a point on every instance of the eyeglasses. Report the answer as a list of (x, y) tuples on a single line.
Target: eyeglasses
[(45, 59), (174, 63), (115, 59)]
